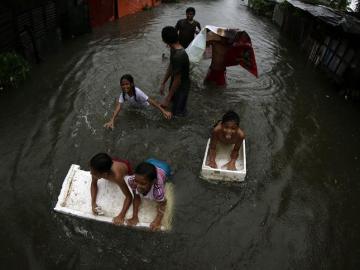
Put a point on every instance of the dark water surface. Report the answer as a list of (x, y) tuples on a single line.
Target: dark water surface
[(298, 209)]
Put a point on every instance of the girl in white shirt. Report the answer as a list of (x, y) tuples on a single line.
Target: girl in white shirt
[(134, 96)]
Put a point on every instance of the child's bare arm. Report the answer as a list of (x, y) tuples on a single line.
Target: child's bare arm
[(111, 123), (198, 24), (120, 218), (212, 150), (136, 205), (166, 113), (93, 192), (235, 153), (156, 224)]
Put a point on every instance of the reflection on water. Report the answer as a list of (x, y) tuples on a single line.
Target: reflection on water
[(297, 209)]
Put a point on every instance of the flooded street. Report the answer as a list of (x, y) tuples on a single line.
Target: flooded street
[(297, 209)]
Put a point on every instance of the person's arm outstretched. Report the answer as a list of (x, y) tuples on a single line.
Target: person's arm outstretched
[(136, 205), (156, 224), (111, 123), (120, 218), (165, 113)]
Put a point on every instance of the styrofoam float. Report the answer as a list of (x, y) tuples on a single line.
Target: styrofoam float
[(75, 199), (222, 157)]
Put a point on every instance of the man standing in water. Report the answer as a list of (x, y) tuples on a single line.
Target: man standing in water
[(187, 28), (178, 71)]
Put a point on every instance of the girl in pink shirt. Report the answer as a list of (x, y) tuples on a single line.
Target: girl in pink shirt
[(149, 182)]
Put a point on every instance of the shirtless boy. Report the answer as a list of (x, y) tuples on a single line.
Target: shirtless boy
[(226, 131), (114, 170), (217, 70)]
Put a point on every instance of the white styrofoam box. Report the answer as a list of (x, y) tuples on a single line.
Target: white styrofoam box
[(75, 200), (222, 157)]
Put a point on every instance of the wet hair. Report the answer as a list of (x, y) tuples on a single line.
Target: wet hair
[(169, 35), (190, 9), (148, 170), (101, 163), (231, 116), (129, 78)]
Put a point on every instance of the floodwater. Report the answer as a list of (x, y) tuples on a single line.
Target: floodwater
[(298, 208)]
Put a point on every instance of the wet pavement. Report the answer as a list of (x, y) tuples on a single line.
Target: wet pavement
[(298, 208)]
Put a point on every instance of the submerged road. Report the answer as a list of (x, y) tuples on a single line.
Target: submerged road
[(298, 208)]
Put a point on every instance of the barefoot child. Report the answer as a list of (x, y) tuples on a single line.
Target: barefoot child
[(226, 131), (149, 183), (114, 170), (135, 97)]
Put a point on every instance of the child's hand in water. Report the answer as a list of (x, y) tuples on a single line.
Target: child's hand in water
[(155, 225), (132, 221), (230, 166), (167, 115), (118, 220), (109, 124), (212, 164), (97, 210)]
